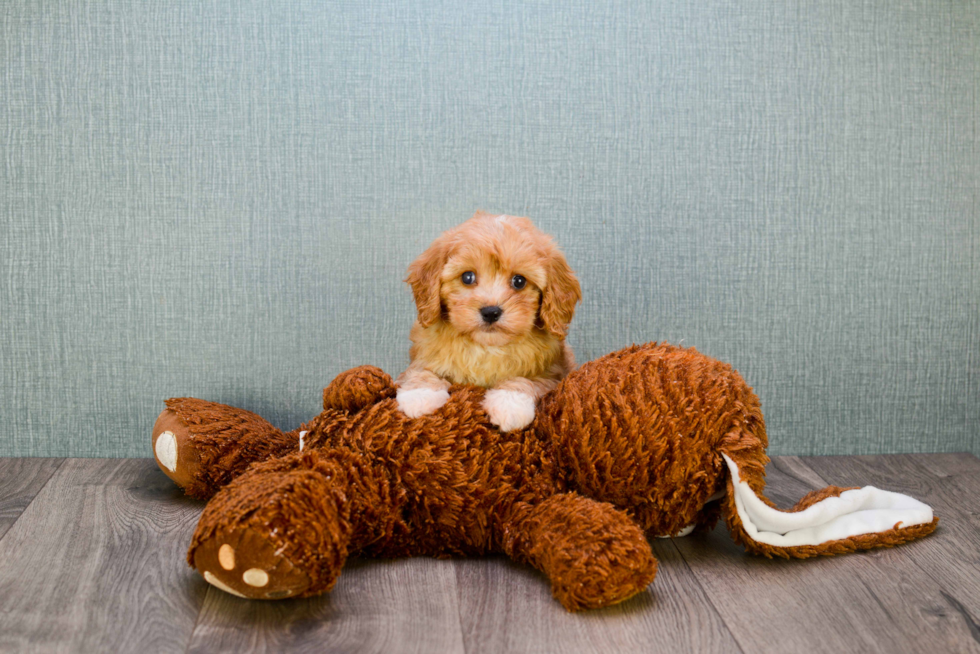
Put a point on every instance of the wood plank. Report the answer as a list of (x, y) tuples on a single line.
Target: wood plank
[(20, 480), (95, 563), (506, 607), (945, 465), (950, 483), (877, 601), (406, 605)]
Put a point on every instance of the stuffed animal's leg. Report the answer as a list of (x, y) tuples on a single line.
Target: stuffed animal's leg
[(204, 445), (594, 554), (829, 521), (282, 529)]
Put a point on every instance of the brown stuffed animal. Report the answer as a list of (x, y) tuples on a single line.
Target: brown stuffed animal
[(650, 440)]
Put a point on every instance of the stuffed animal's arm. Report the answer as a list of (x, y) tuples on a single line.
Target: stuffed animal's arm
[(357, 388), (420, 391)]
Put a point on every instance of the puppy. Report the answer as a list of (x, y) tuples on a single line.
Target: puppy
[(494, 298)]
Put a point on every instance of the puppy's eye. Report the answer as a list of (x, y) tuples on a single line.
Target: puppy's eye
[(469, 278), (518, 282)]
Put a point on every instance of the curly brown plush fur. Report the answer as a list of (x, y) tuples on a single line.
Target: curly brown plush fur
[(628, 445)]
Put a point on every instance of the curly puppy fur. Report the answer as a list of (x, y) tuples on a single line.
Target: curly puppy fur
[(494, 296)]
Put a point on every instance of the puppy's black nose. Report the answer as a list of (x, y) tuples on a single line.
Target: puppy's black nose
[(491, 314)]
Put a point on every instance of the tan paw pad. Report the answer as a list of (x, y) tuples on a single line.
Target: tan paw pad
[(226, 557), (256, 577), (166, 450)]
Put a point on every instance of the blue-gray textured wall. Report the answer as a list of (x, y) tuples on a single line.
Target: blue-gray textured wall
[(220, 199)]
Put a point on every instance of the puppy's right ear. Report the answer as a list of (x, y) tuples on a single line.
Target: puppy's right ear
[(424, 276)]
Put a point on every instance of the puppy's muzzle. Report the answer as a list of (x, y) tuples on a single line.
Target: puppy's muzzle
[(491, 314)]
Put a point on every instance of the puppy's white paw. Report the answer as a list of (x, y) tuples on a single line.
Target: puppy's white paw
[(417, 402), (509, 410)]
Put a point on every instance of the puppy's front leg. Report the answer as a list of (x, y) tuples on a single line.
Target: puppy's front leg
[(420, 392), (510, 404)]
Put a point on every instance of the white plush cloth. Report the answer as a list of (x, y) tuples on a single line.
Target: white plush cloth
[(861, 511)]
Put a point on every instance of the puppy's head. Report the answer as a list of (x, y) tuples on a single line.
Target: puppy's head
[(494, 278)]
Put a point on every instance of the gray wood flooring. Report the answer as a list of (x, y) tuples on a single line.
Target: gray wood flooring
[(92, 560)]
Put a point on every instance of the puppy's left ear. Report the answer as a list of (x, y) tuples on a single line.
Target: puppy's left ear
[(560, 296), (424, 276)]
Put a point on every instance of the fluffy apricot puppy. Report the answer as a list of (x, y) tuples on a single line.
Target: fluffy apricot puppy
[(495, 296)]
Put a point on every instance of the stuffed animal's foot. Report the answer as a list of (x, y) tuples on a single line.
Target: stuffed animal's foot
[(203, 445), (279, 530), (173, 450), (245, 563), (594, 554)]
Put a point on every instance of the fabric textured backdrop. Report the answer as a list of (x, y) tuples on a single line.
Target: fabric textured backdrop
[(219, 199)]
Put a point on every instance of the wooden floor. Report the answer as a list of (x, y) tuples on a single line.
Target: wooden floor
[(92, 559)]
